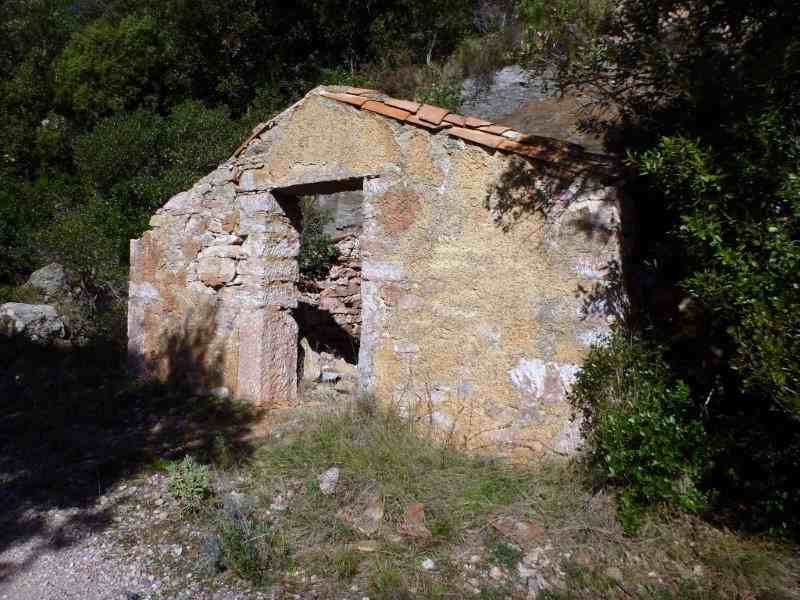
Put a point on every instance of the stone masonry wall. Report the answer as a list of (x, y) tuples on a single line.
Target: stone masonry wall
[(485, 276)]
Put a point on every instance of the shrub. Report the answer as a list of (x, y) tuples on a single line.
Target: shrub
[(505, 554), (188, 483), (317, 251), (20, 293), (641, 427), (250, 547), (345, 563), (117, 147), (441, 93)]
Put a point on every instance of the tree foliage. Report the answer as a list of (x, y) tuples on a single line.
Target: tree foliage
[(108, 67), (702, 95)]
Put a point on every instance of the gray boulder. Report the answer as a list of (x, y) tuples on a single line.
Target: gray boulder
[(51, 281), (39, 323), (510, 87)]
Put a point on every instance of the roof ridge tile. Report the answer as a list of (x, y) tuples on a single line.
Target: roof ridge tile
[(455, 119), (358, 91), (384, 109), (408, 105), (345, 97), (475, 122), (496, 129), (472, 129), (414, 119), (476, 136), (432, 114)]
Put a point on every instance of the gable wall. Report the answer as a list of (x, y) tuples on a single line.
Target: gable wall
[(477, 308)]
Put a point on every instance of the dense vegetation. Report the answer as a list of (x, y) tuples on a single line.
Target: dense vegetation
[(706, 100), (108, 108)]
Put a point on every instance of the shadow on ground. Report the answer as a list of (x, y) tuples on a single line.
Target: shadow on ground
[(73, 425)]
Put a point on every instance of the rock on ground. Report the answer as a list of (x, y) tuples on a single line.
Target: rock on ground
[(328, 480), (50, 281), (39, 323), (510, 87)]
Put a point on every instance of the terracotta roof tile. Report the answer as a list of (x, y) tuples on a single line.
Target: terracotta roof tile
[(456, 120), (383, 109), (479, 137), (495, 129), (472, 129), (358, 90), (432, 114), (348, 98), (475, 122), (411, 107), (534, 151), (415, 120)]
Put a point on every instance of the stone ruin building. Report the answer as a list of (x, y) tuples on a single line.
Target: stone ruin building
[(476, 267)]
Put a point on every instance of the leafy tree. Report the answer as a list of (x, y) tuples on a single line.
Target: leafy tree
[(109, 67), (703, 97)]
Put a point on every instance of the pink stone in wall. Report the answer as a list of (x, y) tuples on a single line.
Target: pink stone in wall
[(215, 271)]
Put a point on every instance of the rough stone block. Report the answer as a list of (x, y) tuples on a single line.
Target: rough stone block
[(382, 271), (260, 247), (216, 272), (259, 203), (220, 252)]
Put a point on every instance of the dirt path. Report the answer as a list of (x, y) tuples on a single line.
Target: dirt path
[(131, 544), (62, 561), (77, 518)]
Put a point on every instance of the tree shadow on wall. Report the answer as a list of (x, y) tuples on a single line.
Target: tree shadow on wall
[(75, 424), (549, 193)]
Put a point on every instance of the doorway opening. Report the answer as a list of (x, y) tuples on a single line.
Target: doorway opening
[(329, 218)]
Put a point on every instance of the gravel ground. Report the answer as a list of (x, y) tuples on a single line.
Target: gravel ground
[(38, 569), (124, 547)]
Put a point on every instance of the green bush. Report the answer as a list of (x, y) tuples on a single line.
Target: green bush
[(505, 554), (189, 483), (118, 148), (641, 427), (20, 293), (317, 251), (110, 66), (249, 548), (445, 94), (25, 208), (346, 562)]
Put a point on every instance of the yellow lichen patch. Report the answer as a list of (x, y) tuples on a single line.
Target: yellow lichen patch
[(419, 163), (317, 138)]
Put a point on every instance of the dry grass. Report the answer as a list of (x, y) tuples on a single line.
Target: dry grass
[(575, 544)]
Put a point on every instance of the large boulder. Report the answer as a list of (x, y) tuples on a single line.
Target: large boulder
[(50, 281), (508, 89), (38, 323)]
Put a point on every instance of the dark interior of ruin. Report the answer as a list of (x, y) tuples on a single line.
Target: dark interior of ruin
[(328, 313)]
